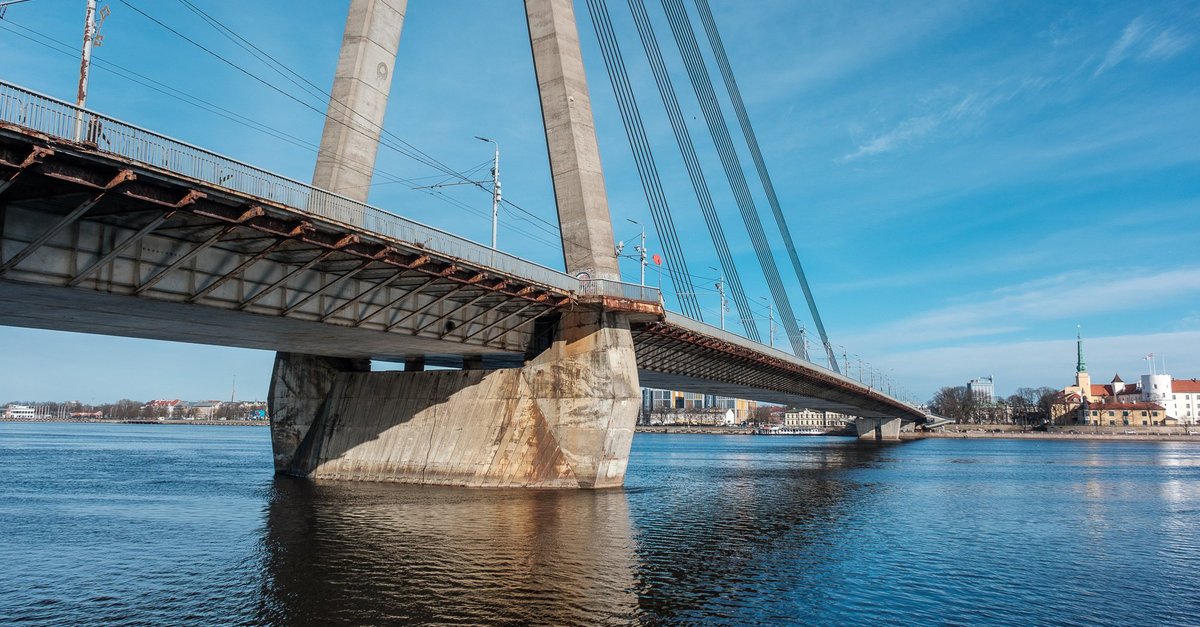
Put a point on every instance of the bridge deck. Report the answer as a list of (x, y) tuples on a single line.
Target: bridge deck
[(127, 232)]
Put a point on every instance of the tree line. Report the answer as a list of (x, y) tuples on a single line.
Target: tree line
[(1027, 406), (128, 409)]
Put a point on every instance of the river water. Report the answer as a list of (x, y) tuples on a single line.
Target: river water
[(127, 524)]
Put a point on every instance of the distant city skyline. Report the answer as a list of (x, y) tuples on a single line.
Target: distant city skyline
[(967, 182)]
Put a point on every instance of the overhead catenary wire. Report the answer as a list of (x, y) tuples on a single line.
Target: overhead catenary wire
[(692, 163), (735, 96), (392, 141), (382, 177), (387, 138), (635, 132), (689, 50)]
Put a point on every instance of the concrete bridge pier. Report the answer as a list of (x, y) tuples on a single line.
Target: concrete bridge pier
[(564, 420), (878, 428)]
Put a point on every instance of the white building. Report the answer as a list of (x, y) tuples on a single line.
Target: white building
[(19, 412), (982, 389), (815, 418), (1180, 398)]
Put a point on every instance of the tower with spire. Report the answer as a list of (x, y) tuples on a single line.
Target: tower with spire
[(1082, 379)]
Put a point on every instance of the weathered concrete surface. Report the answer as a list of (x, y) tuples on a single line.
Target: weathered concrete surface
[(565, 420), (571, 140), (878, 428), (359, 98)]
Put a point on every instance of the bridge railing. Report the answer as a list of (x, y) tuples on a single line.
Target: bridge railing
[(63, 120), (619, 289)]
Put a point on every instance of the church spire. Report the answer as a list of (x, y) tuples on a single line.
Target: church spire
[(1080, 366)]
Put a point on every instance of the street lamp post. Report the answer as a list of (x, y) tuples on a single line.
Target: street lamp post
[(641, 251), (495, 186), (770, 320), (720, 285)]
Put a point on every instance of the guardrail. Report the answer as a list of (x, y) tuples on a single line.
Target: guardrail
[(63, 120), (619, 289)]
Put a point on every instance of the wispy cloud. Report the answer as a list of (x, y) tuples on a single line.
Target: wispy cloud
[(1140, 39), (1012, 309), (913, 129), (1044, 362), (1167, 44)]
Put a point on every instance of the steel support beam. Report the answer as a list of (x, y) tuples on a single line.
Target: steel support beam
[(453, 311), (120, 248), (77, 213), (287, 277), (238, 270), (364, 294), (469, 321), (452, 291), (499, 321), (345, 277), (36, 155), (413, 292), (178, 263)]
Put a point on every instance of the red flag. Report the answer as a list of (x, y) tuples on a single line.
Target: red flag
[(657, 259)]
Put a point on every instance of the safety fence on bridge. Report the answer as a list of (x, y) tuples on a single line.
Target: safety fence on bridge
[(63, 120)]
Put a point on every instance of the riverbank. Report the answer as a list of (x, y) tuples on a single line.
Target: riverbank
[(694, 429), (1052, 435), (215, 423)]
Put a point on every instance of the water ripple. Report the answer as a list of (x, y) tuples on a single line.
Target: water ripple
[(155, 525)]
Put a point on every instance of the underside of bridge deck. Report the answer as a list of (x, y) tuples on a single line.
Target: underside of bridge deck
[(106, 247)]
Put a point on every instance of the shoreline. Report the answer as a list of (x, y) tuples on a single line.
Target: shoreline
[(713, 430), (213, 423), (1043, 435)]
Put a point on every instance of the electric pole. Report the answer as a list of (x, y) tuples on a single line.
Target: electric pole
[(495, 187), (641, 251), (720, 285)]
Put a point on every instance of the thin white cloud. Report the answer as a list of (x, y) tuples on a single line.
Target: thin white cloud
[(1037, 363), (905, 132), (1166, 45), (912, 129), (1012, 309), (1139, 40), (1134, 31)]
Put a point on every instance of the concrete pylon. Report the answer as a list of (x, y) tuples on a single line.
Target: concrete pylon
[(358, 101), (564, 419), (878, 428), (583, 215)]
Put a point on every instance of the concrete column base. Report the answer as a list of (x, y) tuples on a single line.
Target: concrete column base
[(564, 420), (878, 428)]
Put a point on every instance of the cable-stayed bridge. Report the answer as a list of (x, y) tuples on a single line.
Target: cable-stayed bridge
[(109, 228)]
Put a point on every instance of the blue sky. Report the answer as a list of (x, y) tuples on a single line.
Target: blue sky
[(967, 182)]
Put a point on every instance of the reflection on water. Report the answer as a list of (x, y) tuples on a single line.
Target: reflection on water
[(186, 525), (376, 553)]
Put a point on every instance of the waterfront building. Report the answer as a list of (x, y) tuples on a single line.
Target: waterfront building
[(815, 418), (165, 408), (1125, 415), (674, 403), (19, 412), (1177, 399), (982, 389)]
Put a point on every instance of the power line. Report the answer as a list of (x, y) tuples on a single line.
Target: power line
[(61, 47), (408, 149)]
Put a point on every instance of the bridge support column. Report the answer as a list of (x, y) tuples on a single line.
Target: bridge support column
[(564, 420), (878, 428)]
